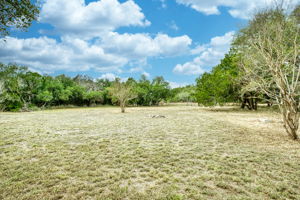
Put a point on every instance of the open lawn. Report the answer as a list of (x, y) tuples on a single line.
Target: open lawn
[(193, 153)]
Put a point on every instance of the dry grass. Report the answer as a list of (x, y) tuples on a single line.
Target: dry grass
[(193, 153)]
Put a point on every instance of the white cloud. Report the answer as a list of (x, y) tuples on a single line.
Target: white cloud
[(176, 85), (189, 68), (48, 55), (237, 8), (171, 46), (112, 77), (146, 74), (209, 55), (106, 54), (198, 49), (108, 76), (139, 70), (88, 40), (136, 70), (75, 17), (141, 45)]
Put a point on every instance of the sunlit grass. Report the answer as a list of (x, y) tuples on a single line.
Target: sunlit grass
[(193, 153)]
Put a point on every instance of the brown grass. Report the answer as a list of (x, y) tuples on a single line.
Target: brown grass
[(193, 153)]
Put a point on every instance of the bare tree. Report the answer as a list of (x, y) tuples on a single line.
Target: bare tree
[(269, 49), (122, 92)]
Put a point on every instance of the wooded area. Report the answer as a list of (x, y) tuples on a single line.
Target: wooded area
[(23, 90)]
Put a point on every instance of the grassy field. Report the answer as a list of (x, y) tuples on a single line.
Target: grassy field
[(193, 153)]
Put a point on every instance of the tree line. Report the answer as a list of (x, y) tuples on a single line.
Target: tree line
[(22, 90)]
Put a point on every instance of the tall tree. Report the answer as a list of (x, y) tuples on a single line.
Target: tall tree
[(143, 90), (11, 97), (270, 49), (160, 90), (16, 13), (221, 85)]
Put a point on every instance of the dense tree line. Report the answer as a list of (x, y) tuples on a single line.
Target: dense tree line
[(221, 85), (21, 89), (184, 94)]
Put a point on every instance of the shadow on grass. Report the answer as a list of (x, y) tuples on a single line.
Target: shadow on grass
[(261, 108)]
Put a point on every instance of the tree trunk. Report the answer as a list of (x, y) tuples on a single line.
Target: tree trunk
[(255, 104), (247, 103), (122, 105), (290, 116), (243, 104)]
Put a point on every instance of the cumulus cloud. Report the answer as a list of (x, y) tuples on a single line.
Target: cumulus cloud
[(139, 70), (176, 85), (109, 53), (136, 46), (48, 55), (108, 76), (189, 68), (112, 77), (76, 18), (237, 8), (209, 55), (88, 40)]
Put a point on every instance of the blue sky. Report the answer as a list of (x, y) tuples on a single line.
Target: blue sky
[(178, 39)]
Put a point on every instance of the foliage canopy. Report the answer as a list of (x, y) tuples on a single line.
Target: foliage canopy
[(16, 13)]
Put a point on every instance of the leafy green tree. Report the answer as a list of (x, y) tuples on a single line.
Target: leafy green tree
[(160, 90), (16, 13), (296, 14), (183, 94), (92, 97), (143, 90), (221, 85), (11, 84), (77, 95), (206, 90), (45, 97), (31, 83), (103, 85), (151, 92)]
